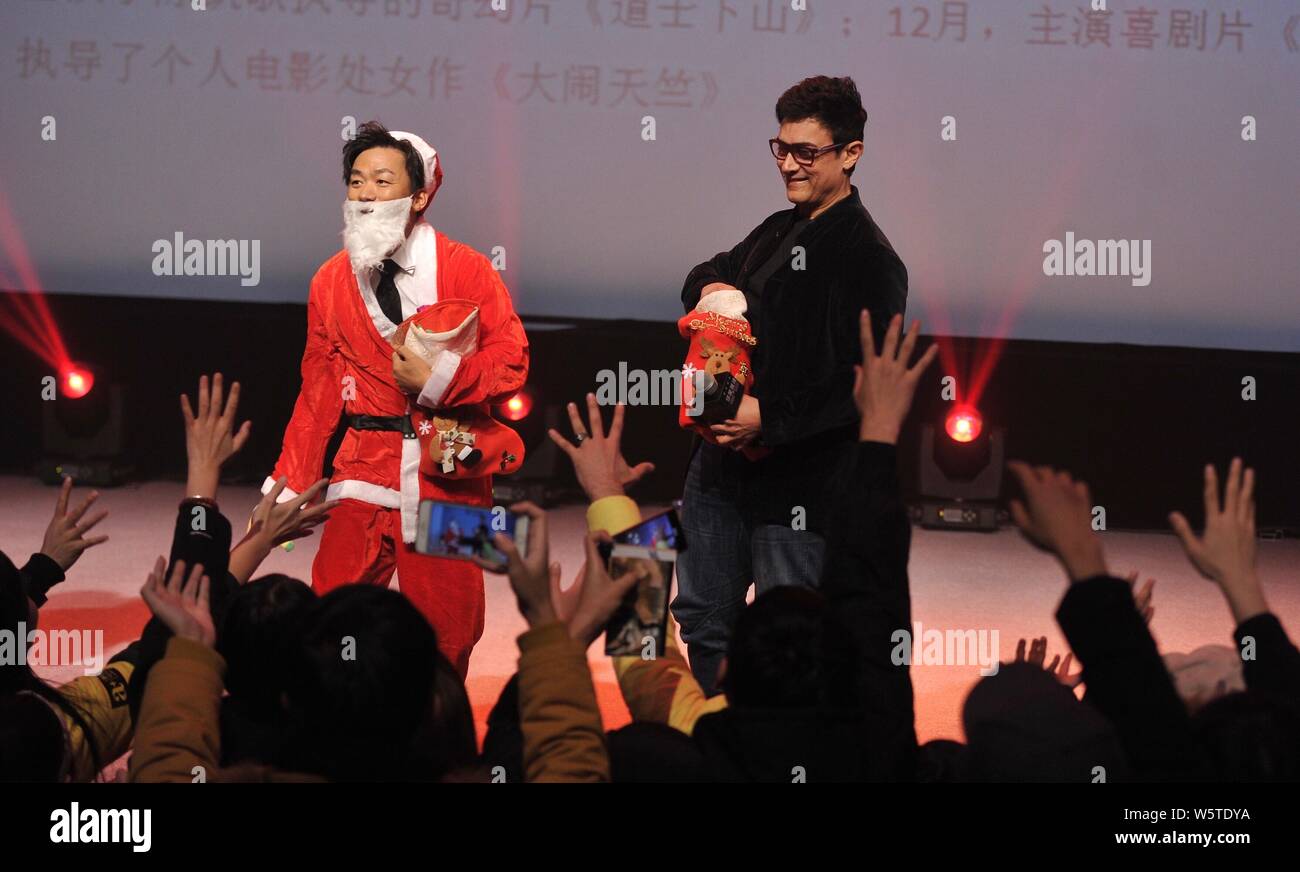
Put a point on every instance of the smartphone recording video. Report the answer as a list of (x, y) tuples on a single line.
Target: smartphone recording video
[(463, 532), (640, 624), (658, 537)]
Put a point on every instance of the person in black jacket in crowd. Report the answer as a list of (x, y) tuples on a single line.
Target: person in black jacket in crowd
[(47, 732), (1253, 735), (806, 273), (1126, 678), (202, 535), (1248, 736)]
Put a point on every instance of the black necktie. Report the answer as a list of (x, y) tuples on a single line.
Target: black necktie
[(386, 293)]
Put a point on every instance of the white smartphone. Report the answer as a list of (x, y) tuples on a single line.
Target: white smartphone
[(462, 532)]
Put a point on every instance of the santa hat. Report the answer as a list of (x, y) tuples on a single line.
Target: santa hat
[(461, 442), (432, 166)]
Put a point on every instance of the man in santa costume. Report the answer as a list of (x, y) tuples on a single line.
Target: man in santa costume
[(394, 264)]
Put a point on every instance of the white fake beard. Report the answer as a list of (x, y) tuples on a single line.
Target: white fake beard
[(372, 231)]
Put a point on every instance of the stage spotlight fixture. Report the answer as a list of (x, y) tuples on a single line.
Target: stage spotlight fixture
[(961, 472), (76, 381), (83, 431), (964, 424)]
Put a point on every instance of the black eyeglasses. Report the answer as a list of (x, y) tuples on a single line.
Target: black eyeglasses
[(804, 155)]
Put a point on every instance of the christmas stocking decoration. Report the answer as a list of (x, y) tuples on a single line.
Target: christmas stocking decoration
[(717, 373)]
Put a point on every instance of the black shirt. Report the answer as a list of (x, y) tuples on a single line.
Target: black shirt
[(788, 236), (805, 322)]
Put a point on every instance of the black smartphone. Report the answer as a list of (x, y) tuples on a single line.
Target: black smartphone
[(461, 532), (658, 537), (640, 624)]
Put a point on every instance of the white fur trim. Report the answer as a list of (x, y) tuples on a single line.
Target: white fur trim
[(444, 370), (287, 494), (407, 499), (410, 494), (366, 492), (728, 304), (461, 339)]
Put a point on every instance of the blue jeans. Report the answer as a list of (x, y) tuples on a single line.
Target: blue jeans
[(724, 555)]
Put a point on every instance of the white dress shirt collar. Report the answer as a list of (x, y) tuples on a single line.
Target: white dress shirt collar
[(418, 253)]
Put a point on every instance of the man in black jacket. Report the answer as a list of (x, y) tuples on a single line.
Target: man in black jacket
[(805, 273)]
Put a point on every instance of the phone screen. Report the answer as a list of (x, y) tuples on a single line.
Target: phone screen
[(460, 531), (639, 626), (658, 537)]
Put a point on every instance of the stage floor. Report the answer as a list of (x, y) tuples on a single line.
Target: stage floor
[(960, 581)]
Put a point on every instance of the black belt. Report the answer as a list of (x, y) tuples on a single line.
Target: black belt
[(399, 423)]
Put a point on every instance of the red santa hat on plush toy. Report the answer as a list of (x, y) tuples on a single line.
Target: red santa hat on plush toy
[(427, 153), (464, 441)]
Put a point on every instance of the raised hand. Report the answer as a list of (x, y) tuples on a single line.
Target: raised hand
[(597, 457), (1057, 517), (1227, 547), (599, 595), (65, 537), (210, 439), (275, 523), (884, 385), (1225, 552), (294, 518), (181, 604), (1059, 669), (532, 578), (1142, 595)]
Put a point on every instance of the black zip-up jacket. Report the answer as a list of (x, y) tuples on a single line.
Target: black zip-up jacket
[(1275, 668), (207, 543), (807, 330), (864, 730), (1128, 683), (39, 575), (1127, 680), (807, 325)]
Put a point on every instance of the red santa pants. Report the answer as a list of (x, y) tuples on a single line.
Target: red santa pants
[(362, 543)]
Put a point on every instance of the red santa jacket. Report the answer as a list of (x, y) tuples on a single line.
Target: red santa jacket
[(347, 368)]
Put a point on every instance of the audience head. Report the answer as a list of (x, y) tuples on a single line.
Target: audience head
[(651, 753), (254, 635), (360, 684), (1250, 736), (775, 657), (1024, 725), (33, 745), (446, 740)]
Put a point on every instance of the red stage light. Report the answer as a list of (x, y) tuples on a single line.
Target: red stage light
[(77, 381), (963, 424), (517, 407)]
